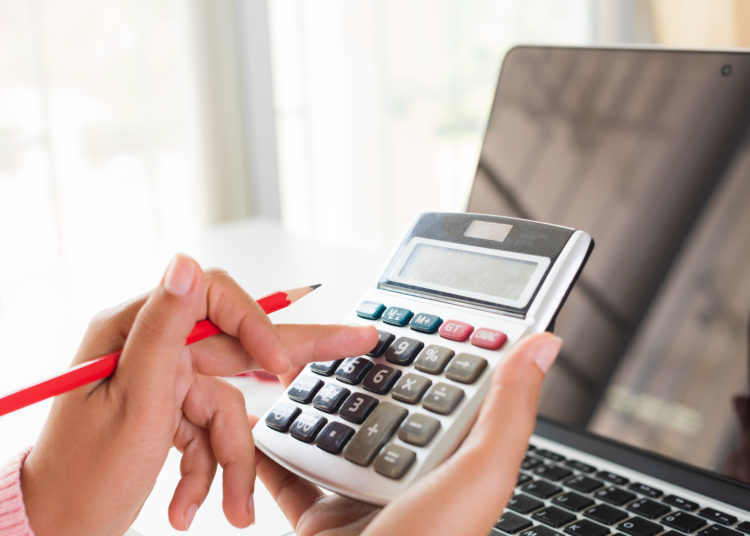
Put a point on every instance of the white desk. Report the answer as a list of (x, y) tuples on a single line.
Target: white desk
[(257, 253)]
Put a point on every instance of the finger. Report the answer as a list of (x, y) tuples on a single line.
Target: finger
[(223, 355), (293, 494), (153, 347), (197, 468), (489, 458), (237, 314), (219, 407)]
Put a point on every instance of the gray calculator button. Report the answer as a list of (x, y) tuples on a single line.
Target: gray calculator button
[(433, 359), (465, 368), (418, 429), (394, 461), (410, 388), (374, 433), (442, 398)]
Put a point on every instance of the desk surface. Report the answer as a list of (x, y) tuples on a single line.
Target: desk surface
[(257, 253)]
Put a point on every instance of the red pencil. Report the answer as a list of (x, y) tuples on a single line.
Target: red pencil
[(103, 367)]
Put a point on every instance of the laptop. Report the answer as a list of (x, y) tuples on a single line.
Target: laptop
[(644, 424)]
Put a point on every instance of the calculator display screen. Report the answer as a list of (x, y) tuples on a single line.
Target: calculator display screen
[(489, 275)]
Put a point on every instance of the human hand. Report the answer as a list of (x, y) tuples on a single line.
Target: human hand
[(103, 445), (445, 500)]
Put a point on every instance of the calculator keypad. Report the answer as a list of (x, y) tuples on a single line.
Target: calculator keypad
[(387, 435)]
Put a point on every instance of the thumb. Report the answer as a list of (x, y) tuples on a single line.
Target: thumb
[(150, 357)]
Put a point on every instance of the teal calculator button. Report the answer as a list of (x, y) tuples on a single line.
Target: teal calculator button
[(397, 316), (425, 323), (370, 310)]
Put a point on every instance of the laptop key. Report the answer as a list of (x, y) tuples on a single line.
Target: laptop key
[(529, 462), (523, 504), (552, 472), (744, 527), (512, 523), (637, 526), (679, 502), (583, 483), (718, 530), (648, 508), (643, 489), (613, 477), (573, 501), (540, 530), (684, 522), (719, 517), (522, 479), (615, 496), (554, 456), (579, 466), (603, 513), (584, 527), (541, 489), (554, 516)]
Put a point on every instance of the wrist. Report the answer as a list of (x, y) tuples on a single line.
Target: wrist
[(13, 515)]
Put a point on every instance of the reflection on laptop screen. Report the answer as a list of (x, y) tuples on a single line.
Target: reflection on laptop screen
[(649, 151)]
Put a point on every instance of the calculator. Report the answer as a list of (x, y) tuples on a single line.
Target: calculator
[(457, 292)]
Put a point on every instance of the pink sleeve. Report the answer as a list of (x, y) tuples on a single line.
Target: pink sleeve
[(13, 520)]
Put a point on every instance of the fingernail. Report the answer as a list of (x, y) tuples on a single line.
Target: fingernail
[(546, 352), (180, 275), (189, 515)]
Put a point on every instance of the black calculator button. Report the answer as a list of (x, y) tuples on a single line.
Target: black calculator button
[(433, 359), (384, 341), (353, 369), (281, 416), (394, 461), (637, 526), (584, 527), (357, 407), (554, 517), (334, 436), (442, 398), (304, 388), (403, 351), (397, 316), (418, 429), (374, 433), (325, 368), (330, 397), (307, 426), (465, 368), (381, 378), (370, 310), (410, 388), (425, 323)]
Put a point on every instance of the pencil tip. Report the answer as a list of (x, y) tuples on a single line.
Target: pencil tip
[(315, 286)]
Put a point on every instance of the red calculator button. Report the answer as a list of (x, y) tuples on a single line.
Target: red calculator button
[(489, 338), (455, 330)]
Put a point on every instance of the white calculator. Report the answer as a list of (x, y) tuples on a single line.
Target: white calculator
[(458, 291)]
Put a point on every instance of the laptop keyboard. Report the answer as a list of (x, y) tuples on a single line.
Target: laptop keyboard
[(558, 496)]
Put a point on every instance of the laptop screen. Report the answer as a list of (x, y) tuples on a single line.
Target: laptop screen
[(648, 151)]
